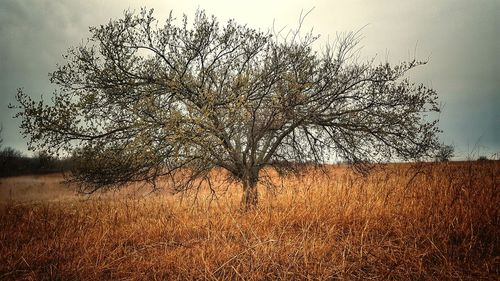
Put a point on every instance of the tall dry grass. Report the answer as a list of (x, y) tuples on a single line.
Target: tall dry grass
[(402, 222)]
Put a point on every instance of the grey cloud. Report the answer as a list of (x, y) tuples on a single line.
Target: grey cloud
[(34, 35), (461, 39)]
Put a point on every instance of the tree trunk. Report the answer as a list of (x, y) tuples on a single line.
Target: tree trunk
[(250, 194)]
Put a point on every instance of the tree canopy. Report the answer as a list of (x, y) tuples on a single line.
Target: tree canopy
[(143, 99)]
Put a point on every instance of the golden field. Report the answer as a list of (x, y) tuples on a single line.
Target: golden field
[(435, 221)]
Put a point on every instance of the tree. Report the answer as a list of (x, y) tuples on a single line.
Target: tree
[(445, 153), (11, 162), (141, 100), (45, 161), (482, 158)]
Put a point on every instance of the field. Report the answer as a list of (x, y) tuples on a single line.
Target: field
[(435, 221)]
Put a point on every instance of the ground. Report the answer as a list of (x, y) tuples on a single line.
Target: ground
[(434, 221)]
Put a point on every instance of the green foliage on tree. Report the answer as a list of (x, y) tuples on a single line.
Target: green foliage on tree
[(144, 98), (445, 153)]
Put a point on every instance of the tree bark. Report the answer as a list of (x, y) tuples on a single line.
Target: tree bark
[(250, 197)]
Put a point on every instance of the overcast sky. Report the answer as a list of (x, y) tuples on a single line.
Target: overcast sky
[(460, 39)]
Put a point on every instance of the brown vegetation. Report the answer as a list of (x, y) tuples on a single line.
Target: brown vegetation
[(435, 221)]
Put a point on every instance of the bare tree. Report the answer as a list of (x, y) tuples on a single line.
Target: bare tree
[(143, 99)]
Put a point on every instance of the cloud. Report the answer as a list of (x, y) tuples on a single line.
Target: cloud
[(461, 39)]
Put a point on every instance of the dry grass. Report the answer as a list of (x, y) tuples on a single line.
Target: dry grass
[(438, 222)]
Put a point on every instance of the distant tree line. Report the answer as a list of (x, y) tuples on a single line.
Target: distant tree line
[(14, 163)]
